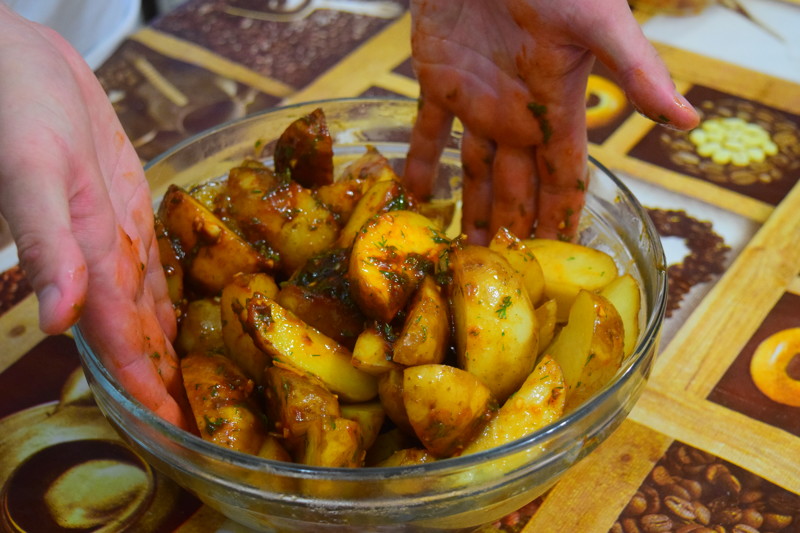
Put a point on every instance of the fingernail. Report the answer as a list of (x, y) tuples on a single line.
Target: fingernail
[(49, 297)]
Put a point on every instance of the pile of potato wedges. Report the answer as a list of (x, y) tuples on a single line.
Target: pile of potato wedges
[(323, 319)]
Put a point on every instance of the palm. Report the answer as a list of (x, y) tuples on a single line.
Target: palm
[(514, 72)]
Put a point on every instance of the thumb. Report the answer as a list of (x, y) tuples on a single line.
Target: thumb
[(48, 252), (618, 42)]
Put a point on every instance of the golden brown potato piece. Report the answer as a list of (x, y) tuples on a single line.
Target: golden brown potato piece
[(538, 403), (220, 396), (201, 328), (381, 197), (212, 253), (334, 442), (319, 294), (446, 406), (343, 194), (294, 343), (304, 151), (173, 269), (546, 316), (280, 215), (626, 297), (390, 256), (238, 343), (390, 393), (522, 260), (373, 352), (569, 267), (426, 329), (370, 417), (387, 443), (294, 401), (494, 321), (589, 347)]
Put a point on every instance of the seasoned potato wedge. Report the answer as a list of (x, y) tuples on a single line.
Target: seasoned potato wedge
[(212, 253), (389, 442), (220, 396), (522, 260), (408, 457), (390, 393), (426, 329), (201, 328), (390, 256), (373, 352), (589, 347), (319, 293), (292, 342), (381, 197), (546, 317), (238, 343), (626, 297), (171, 263), (537, 403), (305, 151), (494, 321), (294, 401), (334, 442), (282, 215), (569, 267), (370, 416), (446, 406)]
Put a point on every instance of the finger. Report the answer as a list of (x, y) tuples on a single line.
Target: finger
[(477, 157), (617, 40), (515, 186), (429, 136)]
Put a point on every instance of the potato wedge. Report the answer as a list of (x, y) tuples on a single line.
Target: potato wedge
[(426, 329), (295, 401), (537, 403), (294, 343), (381, 197), (589, 347), (390, 256), (390, 393), (522, 260), (333, 442), (407, 457), (201, 328), (212, 253), (370, 416), (304, 151), (546, 317), (281, 216), (569, 267), (238, 343), (173, 269), (389, 442), (446, 406), (494, 321), (221, 399), (625, 295), (373, 353)]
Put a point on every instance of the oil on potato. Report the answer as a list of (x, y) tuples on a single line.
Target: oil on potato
[(522, 260), (391, 255), (569, 267), (426, 329), (446, 406), (496, 331), (589, 347), (626, 297), (292, 342)]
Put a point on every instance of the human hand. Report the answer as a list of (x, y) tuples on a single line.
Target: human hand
[(75, 197), (515, 72)]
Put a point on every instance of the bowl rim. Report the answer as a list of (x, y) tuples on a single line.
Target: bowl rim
[(195, 444)]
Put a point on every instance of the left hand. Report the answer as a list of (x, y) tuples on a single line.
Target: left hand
[(514, 72)]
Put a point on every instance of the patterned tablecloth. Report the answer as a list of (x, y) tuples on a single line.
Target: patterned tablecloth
[(703, 446)]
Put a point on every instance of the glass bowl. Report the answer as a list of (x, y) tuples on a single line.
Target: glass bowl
[(458, 494)]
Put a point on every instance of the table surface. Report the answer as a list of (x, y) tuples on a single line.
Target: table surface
[(732, 236)]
